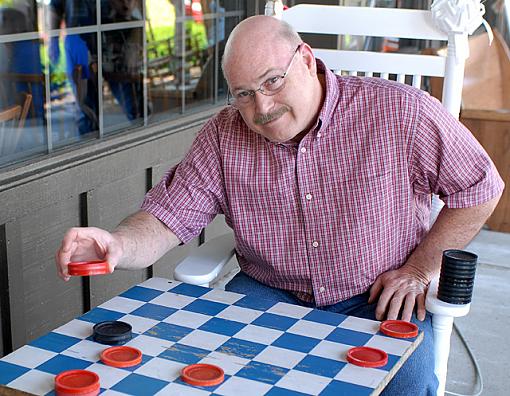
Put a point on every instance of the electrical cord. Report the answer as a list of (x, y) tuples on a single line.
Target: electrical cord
[(475, 363)]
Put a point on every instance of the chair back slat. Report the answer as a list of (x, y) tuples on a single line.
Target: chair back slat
[(416, 81), (363, 21), (366, 61)]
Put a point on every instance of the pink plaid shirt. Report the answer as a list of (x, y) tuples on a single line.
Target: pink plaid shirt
[(323, 218)]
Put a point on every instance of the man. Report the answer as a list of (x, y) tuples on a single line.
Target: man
[(326, 182)]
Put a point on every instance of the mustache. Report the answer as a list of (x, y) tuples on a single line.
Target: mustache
[(261, 119)]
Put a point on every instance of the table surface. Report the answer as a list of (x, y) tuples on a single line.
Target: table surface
[(265, 348)]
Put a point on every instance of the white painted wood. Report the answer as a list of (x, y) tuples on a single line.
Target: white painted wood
[(417, 81), (366, 61), (379, 22), (204, 264)]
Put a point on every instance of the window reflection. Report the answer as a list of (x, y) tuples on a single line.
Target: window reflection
[(182, 38), (71, 13), (122, 78), (74, 95), (68, 74), (22, 130), (18, 17), (121, 11)]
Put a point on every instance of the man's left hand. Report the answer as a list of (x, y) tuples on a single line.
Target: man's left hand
[(399, 289)]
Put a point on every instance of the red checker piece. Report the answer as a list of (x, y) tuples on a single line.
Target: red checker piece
[(121, 356), (399, 329), (367, 357), (87, 268), (203, 374), (77, 382)]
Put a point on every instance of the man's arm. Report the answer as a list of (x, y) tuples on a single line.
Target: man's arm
[(144, 240), (139, 241), (406, 287)]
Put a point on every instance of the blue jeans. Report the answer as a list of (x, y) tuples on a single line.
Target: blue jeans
[(416, 377)]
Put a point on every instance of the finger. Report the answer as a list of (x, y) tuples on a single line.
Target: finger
[(375, 290), (409, 303), (60, 271), (382, 304), (113, 259), (420, 309), (65, 252), (395, 306)]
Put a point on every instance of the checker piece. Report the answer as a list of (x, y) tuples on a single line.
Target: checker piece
[(112, 332), (87, 268), (203, 374), (121, 356), (77, 382), (399, 329), (367, 357)]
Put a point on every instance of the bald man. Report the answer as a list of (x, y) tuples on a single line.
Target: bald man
[(326, 182)]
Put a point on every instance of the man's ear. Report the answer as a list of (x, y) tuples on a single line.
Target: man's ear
[(309, 58)]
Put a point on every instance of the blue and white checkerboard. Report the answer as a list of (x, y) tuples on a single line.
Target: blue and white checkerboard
[(265, 348)]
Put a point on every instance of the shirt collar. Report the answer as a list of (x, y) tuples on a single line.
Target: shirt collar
[(330, 98)]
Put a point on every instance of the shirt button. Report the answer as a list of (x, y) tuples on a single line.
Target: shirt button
[(308, 196), (315, 244), (322, 289), (319, 134), (303, 149)]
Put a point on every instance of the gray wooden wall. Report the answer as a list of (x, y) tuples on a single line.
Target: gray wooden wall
[(98, 185)]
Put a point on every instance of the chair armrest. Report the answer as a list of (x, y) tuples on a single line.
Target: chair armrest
[(203, 265)]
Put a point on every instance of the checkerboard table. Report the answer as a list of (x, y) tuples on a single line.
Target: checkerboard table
[(265, 348)]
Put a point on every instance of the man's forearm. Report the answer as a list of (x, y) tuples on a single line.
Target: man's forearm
[(453, 229), (144, 239)]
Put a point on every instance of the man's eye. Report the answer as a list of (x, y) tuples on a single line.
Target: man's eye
[(242, 94), (272, 81)]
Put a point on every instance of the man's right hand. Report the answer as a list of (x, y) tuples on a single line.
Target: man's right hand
[(89, 243)]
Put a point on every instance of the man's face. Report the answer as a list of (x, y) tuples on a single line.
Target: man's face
[(282, 116)]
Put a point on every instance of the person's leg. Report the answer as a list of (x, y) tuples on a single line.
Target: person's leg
[(416, 377), (242, 283)]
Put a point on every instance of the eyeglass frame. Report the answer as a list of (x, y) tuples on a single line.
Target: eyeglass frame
[(231, 100)]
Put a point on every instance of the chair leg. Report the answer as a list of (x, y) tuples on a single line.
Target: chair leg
[(442, 327)]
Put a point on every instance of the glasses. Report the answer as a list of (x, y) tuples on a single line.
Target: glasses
[(269, 87)]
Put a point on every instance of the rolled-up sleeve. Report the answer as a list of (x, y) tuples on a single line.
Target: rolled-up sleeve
[(190, 194), (447, 159)]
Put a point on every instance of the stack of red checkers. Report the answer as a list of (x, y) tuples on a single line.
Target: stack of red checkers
[(367, 357), (121, 356), (399, 329), (203, 375), (87, 268), (77, 382)]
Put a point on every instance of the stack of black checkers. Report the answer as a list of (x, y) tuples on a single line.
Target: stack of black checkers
[(457, 276), (112, 332)]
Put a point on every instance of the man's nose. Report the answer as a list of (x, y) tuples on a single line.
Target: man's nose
[(263, 103)]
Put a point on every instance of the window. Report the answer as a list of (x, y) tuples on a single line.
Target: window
[(77, 70)]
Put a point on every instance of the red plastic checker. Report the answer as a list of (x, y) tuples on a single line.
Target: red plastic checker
[(121, 356), (77, 382), (399, 329), (202, 374), (367, 357), (87, 268)]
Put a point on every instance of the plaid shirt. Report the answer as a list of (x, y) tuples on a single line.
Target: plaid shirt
[(325, 217)]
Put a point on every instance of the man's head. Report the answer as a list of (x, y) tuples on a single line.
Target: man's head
[(272, 78)]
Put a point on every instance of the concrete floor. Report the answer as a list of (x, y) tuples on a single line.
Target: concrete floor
[(487, 323)]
